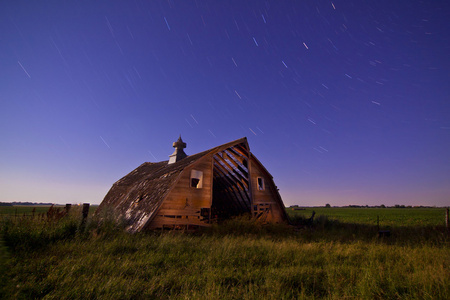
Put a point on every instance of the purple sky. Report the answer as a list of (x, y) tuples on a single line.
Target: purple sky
[(344, 102)]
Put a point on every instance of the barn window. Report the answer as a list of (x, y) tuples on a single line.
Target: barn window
[(204, 212), (260, 184), (196, 179)]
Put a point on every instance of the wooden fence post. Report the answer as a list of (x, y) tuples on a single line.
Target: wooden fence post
[(447, 223), (84, 214), (68, 207), (85, 211)]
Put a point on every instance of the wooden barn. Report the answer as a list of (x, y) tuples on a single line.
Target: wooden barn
[(187, 192)]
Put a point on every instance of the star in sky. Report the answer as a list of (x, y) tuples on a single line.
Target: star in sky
[(344, 102)]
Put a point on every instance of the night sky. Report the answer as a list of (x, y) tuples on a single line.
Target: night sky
[(344, 102)]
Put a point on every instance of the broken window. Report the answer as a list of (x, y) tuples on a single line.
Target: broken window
[(260, 184), (196, 179), (195, 182)]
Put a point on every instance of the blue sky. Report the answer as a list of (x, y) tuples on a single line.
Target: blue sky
[(344, 102)]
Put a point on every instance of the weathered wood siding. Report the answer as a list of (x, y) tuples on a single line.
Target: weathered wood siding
[(265, 202), (183, 204)]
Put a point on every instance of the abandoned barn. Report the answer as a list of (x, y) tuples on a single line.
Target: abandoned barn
[(187, 192)]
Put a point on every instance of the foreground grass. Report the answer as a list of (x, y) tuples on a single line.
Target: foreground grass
[(238, 260)]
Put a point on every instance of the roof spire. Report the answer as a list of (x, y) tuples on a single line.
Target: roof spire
[(178, 154)]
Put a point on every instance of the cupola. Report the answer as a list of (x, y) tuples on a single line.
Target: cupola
[(178, 154)]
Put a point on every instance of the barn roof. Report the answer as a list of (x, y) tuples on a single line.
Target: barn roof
[(138, 195)]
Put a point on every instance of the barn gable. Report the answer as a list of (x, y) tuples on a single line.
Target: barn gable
[(196, 190), (267, 202)]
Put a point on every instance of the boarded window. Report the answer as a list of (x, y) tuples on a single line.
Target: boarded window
[(196, 179), (260, 184)]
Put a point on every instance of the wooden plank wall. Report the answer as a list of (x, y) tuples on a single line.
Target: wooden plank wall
[(265, 203), (182, 207)]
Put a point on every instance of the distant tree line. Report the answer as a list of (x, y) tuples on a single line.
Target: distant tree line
[(22, 203)]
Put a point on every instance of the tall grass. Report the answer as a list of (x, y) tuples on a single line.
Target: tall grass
[(30, 234), (240, 259)]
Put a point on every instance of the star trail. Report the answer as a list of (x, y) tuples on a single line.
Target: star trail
[(345, 102)]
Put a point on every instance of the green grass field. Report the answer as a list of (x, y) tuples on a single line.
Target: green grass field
[(27, 210), (339, 256), (23, 209), (388, 217)]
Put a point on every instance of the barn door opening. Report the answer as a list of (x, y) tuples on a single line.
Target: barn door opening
[(231, 195)]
